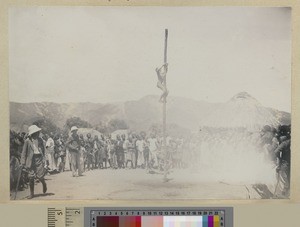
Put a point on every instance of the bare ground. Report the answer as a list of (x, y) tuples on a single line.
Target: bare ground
[(130, 184)]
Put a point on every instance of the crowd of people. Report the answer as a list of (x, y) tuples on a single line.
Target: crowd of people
[(276, 145), (35, 154), (125, 151), (80, 153)]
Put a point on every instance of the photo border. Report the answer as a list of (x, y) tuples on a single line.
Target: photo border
[(4, 100)]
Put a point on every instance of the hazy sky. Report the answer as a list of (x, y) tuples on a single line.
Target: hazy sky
[(105, 54)]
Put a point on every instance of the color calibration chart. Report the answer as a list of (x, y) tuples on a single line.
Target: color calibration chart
[(141, 217), (158, 217)]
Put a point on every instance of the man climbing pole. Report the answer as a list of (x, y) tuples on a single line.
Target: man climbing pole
[(162, 84)]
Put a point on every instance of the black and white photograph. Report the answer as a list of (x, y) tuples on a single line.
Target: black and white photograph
[(150, 103)]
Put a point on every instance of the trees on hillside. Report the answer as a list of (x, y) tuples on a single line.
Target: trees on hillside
[(111, 126), (47, 126), (117, 124), (76, 121)]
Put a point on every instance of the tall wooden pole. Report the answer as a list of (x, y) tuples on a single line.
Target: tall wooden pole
[(165, 109)]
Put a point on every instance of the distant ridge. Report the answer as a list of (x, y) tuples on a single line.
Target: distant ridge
[(242, 110)]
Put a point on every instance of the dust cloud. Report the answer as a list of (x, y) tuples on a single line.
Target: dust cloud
[(234, 157)]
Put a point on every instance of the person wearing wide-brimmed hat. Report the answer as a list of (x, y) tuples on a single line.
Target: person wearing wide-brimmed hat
[(33, 158), (73, 144)]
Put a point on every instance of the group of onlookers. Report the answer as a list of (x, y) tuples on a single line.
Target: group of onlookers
[(131, 151), (49, 153), (80, 153), (276, 145)]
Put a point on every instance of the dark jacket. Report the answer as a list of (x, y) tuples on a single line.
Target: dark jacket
[(73, 143)]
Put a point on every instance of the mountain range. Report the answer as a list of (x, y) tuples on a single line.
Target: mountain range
[(242, 110)]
